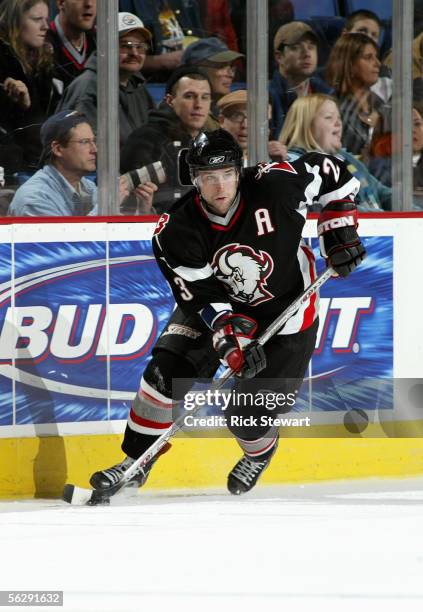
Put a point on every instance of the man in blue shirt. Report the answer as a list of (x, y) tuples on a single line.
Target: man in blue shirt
[(61, 188)]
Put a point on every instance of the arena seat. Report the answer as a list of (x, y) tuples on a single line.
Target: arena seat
[(306, 9), (382, 8)]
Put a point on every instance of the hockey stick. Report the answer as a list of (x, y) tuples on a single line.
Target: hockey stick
[(79, 496)]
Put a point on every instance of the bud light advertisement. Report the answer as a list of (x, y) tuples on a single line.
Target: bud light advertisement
[(352, 365), (78, 321)]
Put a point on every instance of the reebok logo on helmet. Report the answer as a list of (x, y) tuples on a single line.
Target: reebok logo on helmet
[(217, 159)]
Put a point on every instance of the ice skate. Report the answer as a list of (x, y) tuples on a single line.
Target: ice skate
[(244, 476), (104, 479)]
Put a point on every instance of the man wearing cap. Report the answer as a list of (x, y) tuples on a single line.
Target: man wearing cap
[(233, 118), (179, 118), (73, 37), (296, 48), (217, 60), (134, 98), (61, 188)]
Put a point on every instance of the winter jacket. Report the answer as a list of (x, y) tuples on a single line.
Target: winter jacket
[(134, 99), (283, 97), (23, 125), (160, 139)]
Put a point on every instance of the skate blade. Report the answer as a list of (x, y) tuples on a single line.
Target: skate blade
[(78, 496)]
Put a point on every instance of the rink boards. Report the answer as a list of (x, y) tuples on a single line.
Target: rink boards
[(82, 304)]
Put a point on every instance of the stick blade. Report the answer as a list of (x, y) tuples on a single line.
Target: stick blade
[(76, 496)]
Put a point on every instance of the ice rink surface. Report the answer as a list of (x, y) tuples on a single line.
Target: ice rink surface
[(338, 546)]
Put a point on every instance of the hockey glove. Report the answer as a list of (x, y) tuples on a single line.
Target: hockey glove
[(340, 244), (232, 339)]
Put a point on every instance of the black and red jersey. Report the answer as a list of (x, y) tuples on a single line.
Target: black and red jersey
[(69, 62), (253, 260)]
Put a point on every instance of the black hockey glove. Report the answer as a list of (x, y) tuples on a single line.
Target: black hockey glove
[(340, 244), (232, 339)]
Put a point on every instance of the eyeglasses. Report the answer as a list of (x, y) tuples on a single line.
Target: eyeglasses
[(228, 68), (140, 47), (85, 142), (218, 66), (237, 117)]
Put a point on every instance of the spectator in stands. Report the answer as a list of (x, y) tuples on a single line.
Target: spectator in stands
[(26, 76), (172, 23), (314, 123), (417, 52), (233, 118), (73, 38), (134, 98), (352, 69), (280, 12), (171, 127), (296, 52), (364, 22), (367, 22), (216, 20), (418, 149), (60, 187), (218, 61)]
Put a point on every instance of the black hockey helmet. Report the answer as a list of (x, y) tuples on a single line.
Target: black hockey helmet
[(213, 150)]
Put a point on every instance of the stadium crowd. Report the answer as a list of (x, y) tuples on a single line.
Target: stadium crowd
[(182, 69)]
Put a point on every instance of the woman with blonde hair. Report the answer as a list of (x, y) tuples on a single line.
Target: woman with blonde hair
[(29, 92), (313, 123), (352, 69)]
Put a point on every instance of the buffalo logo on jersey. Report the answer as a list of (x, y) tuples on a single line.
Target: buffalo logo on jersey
[(244, 272), (161, 223)]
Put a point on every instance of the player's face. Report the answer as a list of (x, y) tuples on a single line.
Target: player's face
[(221, 78), (417, 132), (79, 155), (80, 14), (299, 60), (367, 67), (191, 103), (327, 127), (35, 26), (132, 50), (218, 188), (235, 122), (368, 27)]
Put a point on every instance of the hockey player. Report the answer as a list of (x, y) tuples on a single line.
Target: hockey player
[(234, 257)]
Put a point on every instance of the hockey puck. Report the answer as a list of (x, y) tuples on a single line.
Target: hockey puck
[(356, 420)]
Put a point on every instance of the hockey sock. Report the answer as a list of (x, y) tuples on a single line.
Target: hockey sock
[(260, 448), (135, 444)]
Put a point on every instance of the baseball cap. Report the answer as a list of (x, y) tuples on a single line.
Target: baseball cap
[(128, 22), (58, 125), (232, 99), (210, 50), (291, 33)]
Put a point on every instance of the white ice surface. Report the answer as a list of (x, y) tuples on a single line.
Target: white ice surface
[(342, 546)]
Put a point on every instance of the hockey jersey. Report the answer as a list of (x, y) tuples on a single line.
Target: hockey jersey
[(254, 259)]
